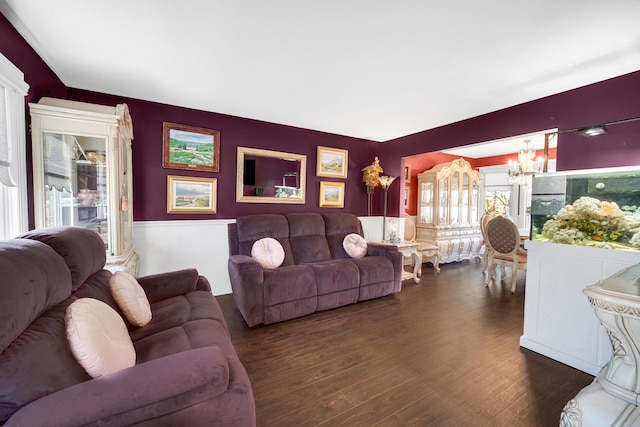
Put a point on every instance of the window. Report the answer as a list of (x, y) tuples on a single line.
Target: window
[(13, 159)]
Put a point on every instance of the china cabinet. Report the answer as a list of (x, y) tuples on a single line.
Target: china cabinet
[(448, 210), (82, 172)]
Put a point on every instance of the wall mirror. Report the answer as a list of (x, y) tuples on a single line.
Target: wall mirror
[(266, 176)]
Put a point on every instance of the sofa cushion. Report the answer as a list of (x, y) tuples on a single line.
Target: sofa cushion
[(130, 297), (268, 252), (337, 226), (31, 366), (376, 276), (175, 311), (335, 275), (34, 279), (187, 336), (98, 337), (33, 348), (82, 249), (255, 227), (308, 240), (354, 245), (286, 284)]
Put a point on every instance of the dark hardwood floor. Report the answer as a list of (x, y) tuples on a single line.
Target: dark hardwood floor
[(444, 352)]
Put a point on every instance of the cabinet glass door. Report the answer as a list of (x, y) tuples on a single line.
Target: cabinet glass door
[(426, 203), (444, 201), (75, 182), (464, 200), (455, 199), (475, 193)]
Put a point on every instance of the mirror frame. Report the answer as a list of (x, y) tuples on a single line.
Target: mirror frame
[(240, 197)]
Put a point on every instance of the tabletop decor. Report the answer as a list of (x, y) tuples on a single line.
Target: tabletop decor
[(371, 178)]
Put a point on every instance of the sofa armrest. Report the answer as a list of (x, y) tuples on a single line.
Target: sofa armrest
[(247, 282), (165, 285), (381, 249), (142, 392), (391, 252)]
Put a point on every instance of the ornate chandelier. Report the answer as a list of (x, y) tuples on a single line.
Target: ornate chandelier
[(522, 171)]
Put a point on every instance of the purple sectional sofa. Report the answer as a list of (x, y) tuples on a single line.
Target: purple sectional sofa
[(187, 372), (317, 274)]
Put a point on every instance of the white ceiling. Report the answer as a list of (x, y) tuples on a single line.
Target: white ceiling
[(365, 68)]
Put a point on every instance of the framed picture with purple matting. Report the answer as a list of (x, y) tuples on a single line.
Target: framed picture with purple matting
[(190, 147)]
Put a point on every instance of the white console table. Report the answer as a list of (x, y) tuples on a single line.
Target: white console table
[(559, 322), (613, 397)]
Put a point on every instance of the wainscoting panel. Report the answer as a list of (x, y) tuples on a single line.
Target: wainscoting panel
[(164, 246)]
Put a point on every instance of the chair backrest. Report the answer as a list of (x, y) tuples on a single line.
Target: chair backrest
[(503, 235), (484, 220), (409, 229)]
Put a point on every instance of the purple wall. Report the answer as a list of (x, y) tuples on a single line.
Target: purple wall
[(606, 101), (42, 81), (149, 177)]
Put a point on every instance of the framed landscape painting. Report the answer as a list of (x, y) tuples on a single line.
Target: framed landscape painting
[(191, 195), (332, 162), (331, 194), (188, 147)]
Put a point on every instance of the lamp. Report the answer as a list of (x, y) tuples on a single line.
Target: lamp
[(526, 167), (385, 183)]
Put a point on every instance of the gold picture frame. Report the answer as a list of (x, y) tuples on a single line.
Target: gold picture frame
[(187, 194), (332, 162), (331, 194), (190, 147)]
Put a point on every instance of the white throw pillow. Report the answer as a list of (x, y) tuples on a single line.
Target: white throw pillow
[(98, 337), (354, 245), (268, 252), (131, 298)]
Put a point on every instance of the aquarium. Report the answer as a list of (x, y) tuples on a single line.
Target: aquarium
[(599, 208)]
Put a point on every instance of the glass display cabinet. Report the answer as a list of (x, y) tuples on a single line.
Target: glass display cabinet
[(448, 210), (82, 172)]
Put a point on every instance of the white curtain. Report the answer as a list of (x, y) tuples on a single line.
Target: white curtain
[(5, 156), (13, 151)]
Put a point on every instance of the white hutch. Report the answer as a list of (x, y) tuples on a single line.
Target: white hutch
[(448, 197), (82, 172)]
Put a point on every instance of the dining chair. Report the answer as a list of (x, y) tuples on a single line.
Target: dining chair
[(503, 242), (484, 248)]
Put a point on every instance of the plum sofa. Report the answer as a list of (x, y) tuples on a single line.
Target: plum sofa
[(316, 274), (187, 372)]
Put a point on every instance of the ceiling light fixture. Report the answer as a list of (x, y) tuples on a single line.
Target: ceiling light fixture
[(593, 130), (600, 129), (522, 171)]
